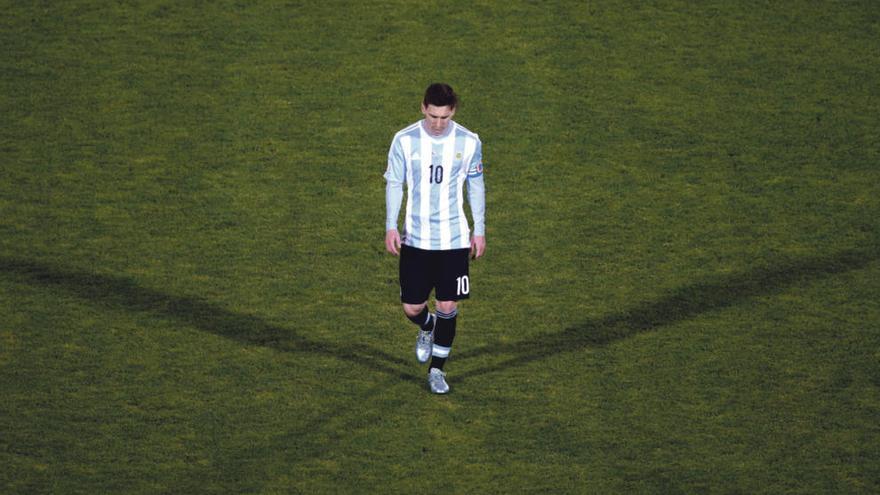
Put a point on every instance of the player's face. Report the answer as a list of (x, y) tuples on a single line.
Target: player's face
[(437, 118)]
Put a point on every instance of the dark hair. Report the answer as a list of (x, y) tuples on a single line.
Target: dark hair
[(440, 95)]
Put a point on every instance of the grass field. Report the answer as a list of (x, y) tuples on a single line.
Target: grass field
[(681, 292)]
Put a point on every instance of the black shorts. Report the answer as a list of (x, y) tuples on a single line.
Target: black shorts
[(446, 272)]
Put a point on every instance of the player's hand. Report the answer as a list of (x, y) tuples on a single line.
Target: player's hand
[(478, 246), (392, 242)]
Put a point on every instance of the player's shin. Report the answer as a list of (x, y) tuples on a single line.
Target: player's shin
[(444, 334)]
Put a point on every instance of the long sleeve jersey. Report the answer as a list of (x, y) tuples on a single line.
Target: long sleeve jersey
[(435, 170)]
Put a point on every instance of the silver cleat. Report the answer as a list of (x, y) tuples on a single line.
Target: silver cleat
[(437, 381), (424, 344)]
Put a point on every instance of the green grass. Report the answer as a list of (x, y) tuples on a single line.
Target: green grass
[(680, 292)]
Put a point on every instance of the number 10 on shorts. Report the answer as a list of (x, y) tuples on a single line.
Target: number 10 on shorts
[(464, 285)]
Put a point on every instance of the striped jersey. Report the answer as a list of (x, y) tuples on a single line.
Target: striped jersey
[(435, 170)]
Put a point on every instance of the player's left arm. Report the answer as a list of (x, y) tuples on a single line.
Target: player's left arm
[(476, 190)]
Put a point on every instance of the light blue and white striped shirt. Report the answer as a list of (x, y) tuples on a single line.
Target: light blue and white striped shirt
[(435, 170)]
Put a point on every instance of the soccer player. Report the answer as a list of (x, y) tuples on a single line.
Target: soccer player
[(435, 157)]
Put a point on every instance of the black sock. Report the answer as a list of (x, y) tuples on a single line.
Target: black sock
[(423, 320), (444, 334)]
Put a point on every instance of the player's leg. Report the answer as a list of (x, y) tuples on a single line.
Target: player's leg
[(425, 322), (418, 314), (444, 332), (453, 286), (414, 291)]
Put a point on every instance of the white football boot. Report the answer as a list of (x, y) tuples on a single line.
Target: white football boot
[(425, 342), (437, 381)]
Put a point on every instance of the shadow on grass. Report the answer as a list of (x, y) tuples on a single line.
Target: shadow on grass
[(679, 305), (125, 293), (326, 430)]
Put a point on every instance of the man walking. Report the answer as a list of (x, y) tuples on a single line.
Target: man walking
[(435, 157)]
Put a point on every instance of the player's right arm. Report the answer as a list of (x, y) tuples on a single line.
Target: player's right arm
[(392, 242), (395, 175)]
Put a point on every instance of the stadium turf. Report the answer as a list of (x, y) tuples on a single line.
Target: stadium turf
[(680, 291)]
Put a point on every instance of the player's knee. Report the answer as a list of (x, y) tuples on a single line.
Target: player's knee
[(413, 309), (447, 306)]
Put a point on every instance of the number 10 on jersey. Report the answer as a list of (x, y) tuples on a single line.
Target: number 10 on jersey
[(435, 174)]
